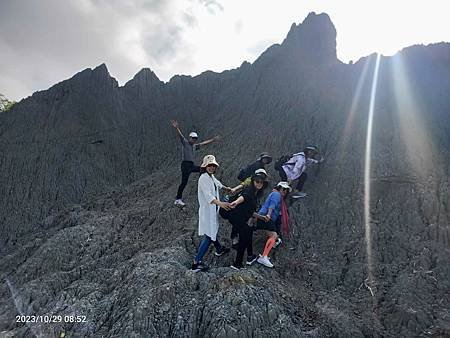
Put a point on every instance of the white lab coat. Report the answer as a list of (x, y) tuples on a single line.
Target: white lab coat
[(208, 220)]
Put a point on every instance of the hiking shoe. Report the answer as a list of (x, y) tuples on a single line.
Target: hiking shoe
[(251, 259), (197, 267), (179, 202), (264, 260), (222, 252), (299, 194), (278, 242), (236, 267)]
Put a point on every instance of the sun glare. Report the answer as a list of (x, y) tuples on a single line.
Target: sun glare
[(413, 132), (367, 171)]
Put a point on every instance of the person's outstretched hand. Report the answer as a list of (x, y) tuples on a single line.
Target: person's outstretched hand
[(174, 123), (217, 138), (227, 189)]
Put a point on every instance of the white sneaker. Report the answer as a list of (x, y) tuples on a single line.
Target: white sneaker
[(299, 194), (278, 242), (264, 260), (179, 203)]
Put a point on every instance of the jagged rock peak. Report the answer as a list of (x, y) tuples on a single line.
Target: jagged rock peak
[(314, 38), (101, 69), (145, 78), (99, 73), (146, 75)]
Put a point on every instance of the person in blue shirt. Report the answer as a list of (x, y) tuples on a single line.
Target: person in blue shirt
[(271, 211)]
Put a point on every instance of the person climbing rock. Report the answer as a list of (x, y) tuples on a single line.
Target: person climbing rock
[(243, 209), (209, 204), (246, 173), (282, 222), (294, 169), (246, 182), (188, 148), (271, 212)]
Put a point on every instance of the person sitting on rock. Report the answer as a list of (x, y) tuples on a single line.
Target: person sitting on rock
[(294, 169), (244, 208), (188, 148), (271, 211), (209, 203)]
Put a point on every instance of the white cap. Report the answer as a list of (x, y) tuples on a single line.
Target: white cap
[(261, 171), (284, 185), (193, 134)]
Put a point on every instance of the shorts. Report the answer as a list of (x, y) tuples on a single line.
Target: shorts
[(269, 226)]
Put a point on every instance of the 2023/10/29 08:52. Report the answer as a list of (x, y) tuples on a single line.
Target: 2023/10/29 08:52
[(51, 319)]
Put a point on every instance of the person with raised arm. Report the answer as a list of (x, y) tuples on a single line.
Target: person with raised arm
[(188, 148)]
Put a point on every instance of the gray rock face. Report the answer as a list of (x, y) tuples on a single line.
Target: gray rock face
[(80, 238)]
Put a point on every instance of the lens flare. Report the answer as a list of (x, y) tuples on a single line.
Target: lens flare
[(367, 171), (413, 130), (352, 112)]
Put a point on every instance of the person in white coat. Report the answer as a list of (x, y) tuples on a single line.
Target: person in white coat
[(209, 204)]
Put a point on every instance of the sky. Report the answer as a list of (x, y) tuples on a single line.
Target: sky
[(43, 42)]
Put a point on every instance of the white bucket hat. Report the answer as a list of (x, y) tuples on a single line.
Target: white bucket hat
[(193, 134), (284, 185), (209, 159)]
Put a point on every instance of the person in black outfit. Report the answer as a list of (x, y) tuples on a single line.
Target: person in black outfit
[(244, 209), (260, 163)]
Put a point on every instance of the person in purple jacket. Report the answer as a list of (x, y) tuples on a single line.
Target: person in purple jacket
[(294, 169)]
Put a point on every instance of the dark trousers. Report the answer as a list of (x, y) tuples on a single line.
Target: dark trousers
[(187, 167), (245, 242), (234, 230), (301, 180)]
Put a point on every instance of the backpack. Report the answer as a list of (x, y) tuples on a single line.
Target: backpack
[(242, 175), (246, 172), (282, 160)]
